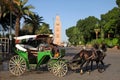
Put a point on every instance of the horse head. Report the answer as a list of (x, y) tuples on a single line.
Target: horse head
[(96, 46), (103, 47)]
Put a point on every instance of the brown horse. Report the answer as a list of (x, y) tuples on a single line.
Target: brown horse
[(100, 56), (87, 56)]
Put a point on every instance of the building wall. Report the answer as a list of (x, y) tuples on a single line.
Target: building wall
[(57, 31)]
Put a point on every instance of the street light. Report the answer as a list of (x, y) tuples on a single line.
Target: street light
[(10, 30)]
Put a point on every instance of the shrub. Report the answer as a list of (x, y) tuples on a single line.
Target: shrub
[(111, 42), (115, 41), (96, 41)]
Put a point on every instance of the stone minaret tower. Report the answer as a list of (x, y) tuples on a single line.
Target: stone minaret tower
[(57, 31)]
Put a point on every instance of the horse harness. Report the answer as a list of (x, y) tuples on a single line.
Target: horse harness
[(92, 53)]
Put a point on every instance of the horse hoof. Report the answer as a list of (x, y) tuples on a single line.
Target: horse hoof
[(100, 71), (81, 73), (88, 72)]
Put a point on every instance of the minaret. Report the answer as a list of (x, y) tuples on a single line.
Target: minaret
[(57, 31)]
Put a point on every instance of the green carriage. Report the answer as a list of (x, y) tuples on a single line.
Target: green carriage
[(36, 49)]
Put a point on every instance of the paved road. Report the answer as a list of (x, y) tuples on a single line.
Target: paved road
[(112, 63)]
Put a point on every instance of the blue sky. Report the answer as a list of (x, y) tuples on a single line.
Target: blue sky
[(70, 11)]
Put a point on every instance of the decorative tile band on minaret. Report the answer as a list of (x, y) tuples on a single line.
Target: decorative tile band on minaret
[(57, 31)]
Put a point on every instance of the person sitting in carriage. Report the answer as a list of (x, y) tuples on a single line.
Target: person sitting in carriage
[(55, 50)]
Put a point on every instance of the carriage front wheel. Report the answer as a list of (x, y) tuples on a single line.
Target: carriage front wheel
[(60, 68), (17, 65)]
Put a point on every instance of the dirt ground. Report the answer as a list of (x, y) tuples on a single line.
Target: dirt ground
[(112, 72)]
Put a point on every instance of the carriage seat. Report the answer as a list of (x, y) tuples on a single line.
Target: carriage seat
[(32, 49), (28, 48)]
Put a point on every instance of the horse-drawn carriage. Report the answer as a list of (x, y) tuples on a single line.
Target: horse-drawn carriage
[(37, 50)]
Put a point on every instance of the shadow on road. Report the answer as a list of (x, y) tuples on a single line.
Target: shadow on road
[(89, 67)]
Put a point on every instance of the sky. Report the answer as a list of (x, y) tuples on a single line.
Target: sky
[(70, 11)]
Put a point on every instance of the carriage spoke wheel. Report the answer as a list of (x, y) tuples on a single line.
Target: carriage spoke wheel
[(17, 65), (60, 68), (50, 66)]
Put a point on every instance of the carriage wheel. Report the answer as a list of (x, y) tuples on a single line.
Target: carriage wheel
[(17, 65), (59, 68), (49, 66)]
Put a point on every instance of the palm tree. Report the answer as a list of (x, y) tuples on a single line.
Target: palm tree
[(44, 29), (26, 29), (22, 11), (34, 21), (19, 9), (5, 16)]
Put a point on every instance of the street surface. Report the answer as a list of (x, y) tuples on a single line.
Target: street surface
[(112, 65)]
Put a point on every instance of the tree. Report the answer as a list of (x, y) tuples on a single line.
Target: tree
[(34, 21), (5, 16), (27, 29), (83, 32), (19, 9), (72, 35), (118, 21), (44, 29), (86, 28), (111, 22), (118, 3)]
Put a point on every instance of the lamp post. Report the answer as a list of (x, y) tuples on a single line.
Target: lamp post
[(10, 31)]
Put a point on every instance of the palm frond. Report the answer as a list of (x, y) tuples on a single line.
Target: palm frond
[(24, 2)]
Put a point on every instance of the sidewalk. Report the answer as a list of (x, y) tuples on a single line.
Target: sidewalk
[(113, 50), (4, 66)]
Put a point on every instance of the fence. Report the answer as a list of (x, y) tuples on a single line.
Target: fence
[(4, 48)]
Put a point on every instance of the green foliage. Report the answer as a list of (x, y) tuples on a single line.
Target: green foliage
[(34, 21), (115, 41), (86, 27), (18, 9), (96, 41), (109, 27), (111, 22), (83, 32), (44, 29), (26, 29), (70, 32), (109, 42), (21, 10), (112, 42), (118, 3), (5, 17)]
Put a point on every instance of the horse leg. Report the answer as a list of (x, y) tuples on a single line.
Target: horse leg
[(103, 66), (81, 66), (98, 67), (91, 65), (97, 63), (87, 66)]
